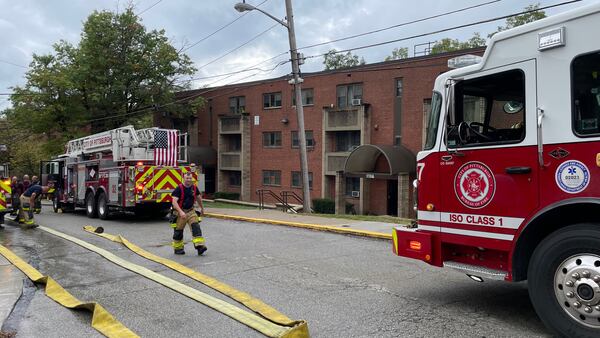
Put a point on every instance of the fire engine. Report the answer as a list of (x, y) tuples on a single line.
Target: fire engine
[(509, 176), (116, 171)]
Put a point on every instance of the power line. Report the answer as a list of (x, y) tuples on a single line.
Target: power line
[(228, 75), (347, 37), (13, 64), (441, 30), (187, 98), (220, 29), (238, 47), (151, 6), (400, 24)]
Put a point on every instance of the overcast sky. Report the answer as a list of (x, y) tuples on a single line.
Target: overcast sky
[(32, 26)]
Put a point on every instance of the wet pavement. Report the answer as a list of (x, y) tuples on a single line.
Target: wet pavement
[(342, 285)]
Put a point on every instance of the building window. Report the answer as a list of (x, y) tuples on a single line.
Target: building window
[(297, 179), (308, 97), (347, 140), (272, 139), (235, 178), (585, 86), (233, 144), (349, 95), (352, 184), (398, 87), (272, 177), (310, 141), (272, 100), (237, 104)]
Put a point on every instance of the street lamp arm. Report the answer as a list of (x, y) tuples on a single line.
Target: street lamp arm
[(242, 7)]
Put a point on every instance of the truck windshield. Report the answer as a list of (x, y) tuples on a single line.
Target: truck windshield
[(432, 122)]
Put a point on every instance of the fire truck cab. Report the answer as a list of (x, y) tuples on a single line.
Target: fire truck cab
[(115, 171), (509, 178)]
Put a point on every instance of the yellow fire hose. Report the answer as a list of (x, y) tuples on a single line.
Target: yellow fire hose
[(250, 302), (264, 326), (102, 320)]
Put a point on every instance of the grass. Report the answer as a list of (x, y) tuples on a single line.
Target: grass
[(227, 205), (370, 218)]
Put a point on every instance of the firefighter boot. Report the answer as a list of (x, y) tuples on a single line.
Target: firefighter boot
[(178, 242), (197, 239)]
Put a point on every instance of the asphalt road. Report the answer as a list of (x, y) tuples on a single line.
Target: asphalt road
[(343, 286)]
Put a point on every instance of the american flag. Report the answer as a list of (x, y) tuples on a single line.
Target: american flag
[(166, 144)]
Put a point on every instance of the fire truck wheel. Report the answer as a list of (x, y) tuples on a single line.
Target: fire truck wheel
[(103, 212), (90, 206), (55, 203), (564, 281)]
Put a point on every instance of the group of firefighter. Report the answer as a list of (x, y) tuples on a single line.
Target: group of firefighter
[(26, 199), (187, 208)]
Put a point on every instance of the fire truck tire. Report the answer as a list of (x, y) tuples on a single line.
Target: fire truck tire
[(103, 212), (90, 206), (564, 281), (56, 205)]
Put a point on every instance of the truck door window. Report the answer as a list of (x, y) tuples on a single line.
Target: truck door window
[(585, 84), (488, 110)]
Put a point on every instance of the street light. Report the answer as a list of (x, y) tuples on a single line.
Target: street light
[(289, 24)]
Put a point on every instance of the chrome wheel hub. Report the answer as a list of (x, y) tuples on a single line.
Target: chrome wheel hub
[(577, 288)]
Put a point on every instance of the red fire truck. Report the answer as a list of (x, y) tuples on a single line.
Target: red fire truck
[(116, 171), (509, 178)]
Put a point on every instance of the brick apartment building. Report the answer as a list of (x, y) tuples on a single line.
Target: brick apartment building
[(364, 126)]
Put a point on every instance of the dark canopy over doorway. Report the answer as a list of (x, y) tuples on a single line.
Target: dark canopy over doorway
[(363, 159)]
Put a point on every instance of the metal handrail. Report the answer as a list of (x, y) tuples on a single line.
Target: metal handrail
[(261, 199)]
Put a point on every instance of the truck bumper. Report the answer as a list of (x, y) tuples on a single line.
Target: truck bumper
[(417, 244)]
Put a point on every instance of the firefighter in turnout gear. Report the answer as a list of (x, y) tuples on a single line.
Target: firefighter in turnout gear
[(27, 200), (38, 201), (184, 199)]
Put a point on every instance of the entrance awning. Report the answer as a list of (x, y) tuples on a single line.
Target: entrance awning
[(362, 161)]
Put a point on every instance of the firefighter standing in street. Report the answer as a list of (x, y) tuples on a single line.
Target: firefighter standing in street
[(16, 190), (28, 201), (184, 198), (38, 201)]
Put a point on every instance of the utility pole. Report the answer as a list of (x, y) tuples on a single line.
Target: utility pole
[(289, 24), (299, 108)]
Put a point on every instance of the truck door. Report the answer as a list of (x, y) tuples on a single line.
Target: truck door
[(488, 162), (52, 171)]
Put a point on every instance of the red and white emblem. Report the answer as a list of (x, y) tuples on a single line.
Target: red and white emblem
[(474, 185)]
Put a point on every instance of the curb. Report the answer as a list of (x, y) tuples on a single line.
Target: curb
[(318, 227)]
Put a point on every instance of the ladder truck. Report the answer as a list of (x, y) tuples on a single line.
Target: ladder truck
[(508, 182), (116, 171)]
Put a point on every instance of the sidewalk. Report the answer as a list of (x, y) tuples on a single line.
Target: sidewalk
[(11, 286), (339, 225)]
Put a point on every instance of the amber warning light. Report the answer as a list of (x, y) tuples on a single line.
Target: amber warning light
[(414, 245)]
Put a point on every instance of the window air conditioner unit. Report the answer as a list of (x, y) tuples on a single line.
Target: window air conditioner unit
[(356, 193), (356, 102)]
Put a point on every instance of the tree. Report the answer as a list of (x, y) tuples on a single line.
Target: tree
[(449, 45), (116, 75), (397, 54), (522, 19), (335, 60)]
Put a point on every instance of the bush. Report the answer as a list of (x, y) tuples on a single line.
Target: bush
[(323, 206), (227, 195)]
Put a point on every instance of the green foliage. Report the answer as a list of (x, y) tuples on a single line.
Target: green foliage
[(23, 149), (522, 19), (227, 195), (449, 45), (323, 206), (117, 70), (397, 54), (335, 60)]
